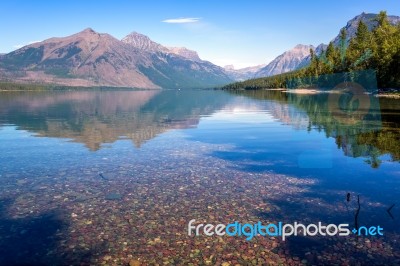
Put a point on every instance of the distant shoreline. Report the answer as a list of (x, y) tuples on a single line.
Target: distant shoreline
[(394, 94), (15, 86)]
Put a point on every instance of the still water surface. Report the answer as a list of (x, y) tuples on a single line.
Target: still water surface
[(111, 176)]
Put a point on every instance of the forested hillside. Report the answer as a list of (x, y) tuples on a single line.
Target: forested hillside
[(377, 50)]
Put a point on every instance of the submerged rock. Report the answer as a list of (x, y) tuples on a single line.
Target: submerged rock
[(134, 263), (113, 196)]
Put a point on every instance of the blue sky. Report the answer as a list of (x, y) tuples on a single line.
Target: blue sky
[(242, 33)]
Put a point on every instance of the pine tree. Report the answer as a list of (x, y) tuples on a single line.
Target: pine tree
[(342, 50), (360, 48), (394, 66), (385, 38), (332, 57)]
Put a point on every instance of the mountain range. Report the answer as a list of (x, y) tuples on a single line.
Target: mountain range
[(299, 56), (89, 58), (286, 62), (369, 19), (242, 73)]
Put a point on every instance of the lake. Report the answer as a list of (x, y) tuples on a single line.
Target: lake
[(112, 177)]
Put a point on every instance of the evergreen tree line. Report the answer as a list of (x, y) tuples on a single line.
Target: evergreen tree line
[(378, 50)]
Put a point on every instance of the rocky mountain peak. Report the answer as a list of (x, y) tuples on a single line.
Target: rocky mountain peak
[(242, 73), (369, 19), (142, 42), (302, 47), (229, 67), (184, 52), (136, 36), (89, 30), (288, 61), (86, 33)]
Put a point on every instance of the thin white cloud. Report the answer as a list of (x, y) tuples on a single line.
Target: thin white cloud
[(181, 20), (17, 46)]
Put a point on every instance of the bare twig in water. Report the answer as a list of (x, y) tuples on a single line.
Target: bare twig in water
[(347, 203), (389, 209), (102, 176), (357, 212)]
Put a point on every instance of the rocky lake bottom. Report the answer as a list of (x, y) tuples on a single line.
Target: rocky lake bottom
[(62, 203)]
